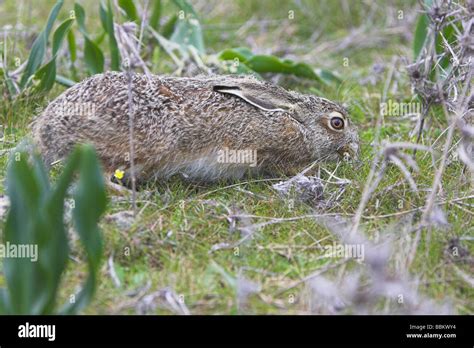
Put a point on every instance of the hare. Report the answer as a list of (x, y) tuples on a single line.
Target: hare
[(204, 128)]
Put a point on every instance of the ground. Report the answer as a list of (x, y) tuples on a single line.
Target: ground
[(183, 250)]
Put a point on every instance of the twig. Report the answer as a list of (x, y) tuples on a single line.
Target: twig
[(112, 272), (131, 115)]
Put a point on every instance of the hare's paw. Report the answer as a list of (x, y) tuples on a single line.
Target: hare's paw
[(124, 177)]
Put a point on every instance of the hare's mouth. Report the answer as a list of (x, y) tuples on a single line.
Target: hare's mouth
[(349, 151)]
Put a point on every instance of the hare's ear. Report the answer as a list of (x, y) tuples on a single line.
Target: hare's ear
[(261, 99)]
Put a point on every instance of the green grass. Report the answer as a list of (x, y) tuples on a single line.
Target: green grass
[(169, 244)]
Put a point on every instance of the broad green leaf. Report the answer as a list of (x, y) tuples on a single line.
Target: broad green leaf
[(24, 194), (46, 76), (71, 40), (420, 39), (328, 76), (168, 28), (12, 88), (238, 67), (272, 64), (81, 18), (106, 16), (449, 34), (52, 17), (99, 38), (241, 53), (268, 63), (47, 73), (155, 15), (33, 220), (175, 51), (187, 29), (64, 81), (53, 248), (4, 302), (93, 56), (421, 31), (60, 33), (129, 7), (35, 59), (186, 7), (91, 202), (38, 49), (36, 218)]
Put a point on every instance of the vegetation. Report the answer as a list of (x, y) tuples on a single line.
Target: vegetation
[(401, 67), (35, 219)]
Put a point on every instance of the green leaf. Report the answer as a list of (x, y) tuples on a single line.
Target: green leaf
[(239, 68), (12, 88), (421, 31), (106, 16), (64, 81), (241, 53), (186, 7), (34, 221), (155, 15), (35, 218), (4, 301), (91, 202), (129, 7), (93, 56), (38, 50), (171, 48), (47, 73), (168, 28), (24, 194), (328, 76), (81, 18), (187, 30), (420, 39), (449, 33), (60, 34), (99, 38), (46, 76), (270, 64), (71, 40)]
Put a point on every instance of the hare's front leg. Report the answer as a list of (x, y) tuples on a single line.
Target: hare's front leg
[(123, 176)]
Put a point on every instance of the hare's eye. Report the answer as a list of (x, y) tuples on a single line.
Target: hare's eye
[(337, 122)]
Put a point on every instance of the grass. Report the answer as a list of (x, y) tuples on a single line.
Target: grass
[(169, 244)]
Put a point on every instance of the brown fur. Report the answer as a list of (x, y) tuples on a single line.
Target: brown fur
[(180, 124)]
